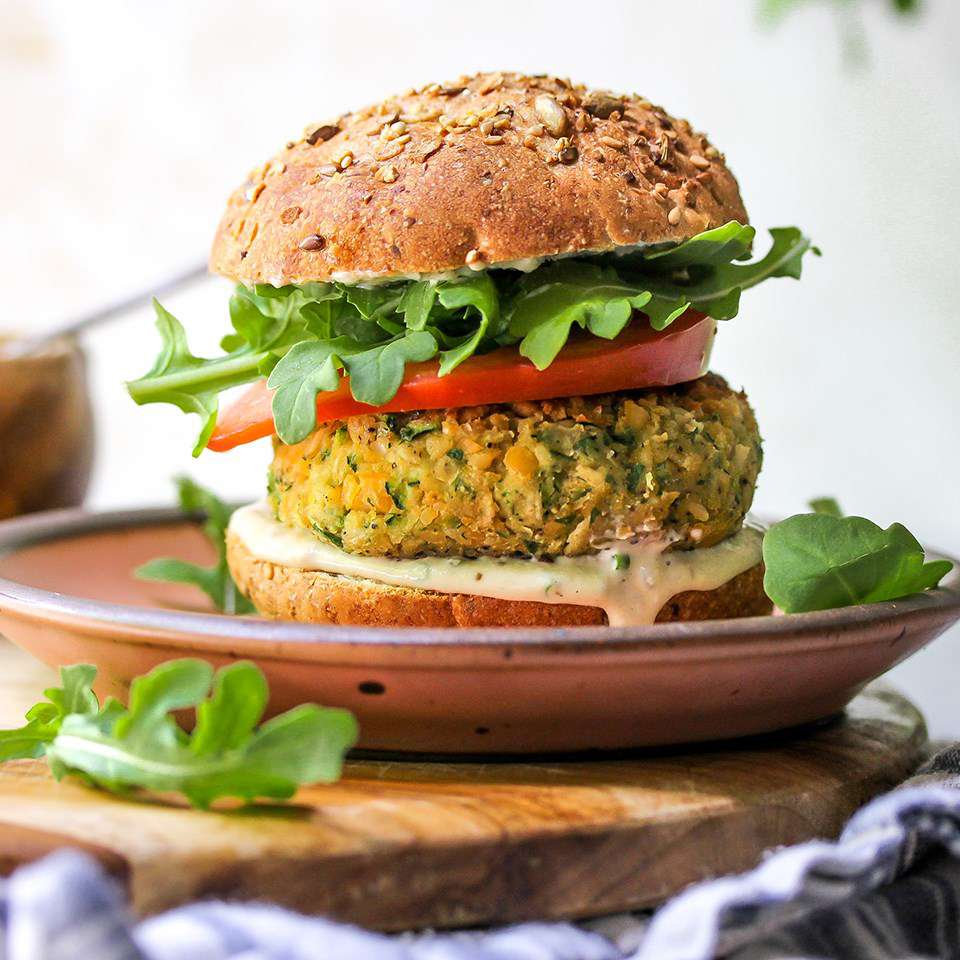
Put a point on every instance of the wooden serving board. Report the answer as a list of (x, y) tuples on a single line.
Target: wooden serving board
[(403, 844)]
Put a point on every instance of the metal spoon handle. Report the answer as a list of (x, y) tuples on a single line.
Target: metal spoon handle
[(25, 346)]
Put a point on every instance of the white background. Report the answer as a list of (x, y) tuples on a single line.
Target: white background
[(126, 124)]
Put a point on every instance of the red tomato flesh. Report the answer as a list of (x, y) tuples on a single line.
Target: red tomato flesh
[(638, 357)]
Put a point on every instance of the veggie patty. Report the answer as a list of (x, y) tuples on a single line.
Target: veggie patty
[(533, 479)]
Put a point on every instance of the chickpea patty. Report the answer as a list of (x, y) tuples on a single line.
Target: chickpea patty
[(536, 479)]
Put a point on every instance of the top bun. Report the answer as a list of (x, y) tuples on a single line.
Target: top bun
[(489, 170)]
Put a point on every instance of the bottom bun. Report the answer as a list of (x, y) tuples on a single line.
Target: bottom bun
[(310, 596)]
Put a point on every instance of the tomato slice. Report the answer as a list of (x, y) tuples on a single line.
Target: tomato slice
[(638, 357)]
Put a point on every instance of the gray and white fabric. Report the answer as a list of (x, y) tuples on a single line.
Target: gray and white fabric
[(888, 889)]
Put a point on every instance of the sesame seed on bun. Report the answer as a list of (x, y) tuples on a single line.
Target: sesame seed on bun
[(493, 169)]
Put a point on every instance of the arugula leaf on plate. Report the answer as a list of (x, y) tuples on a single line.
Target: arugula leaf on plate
[(216, 581), (228, 754), (818, 561)]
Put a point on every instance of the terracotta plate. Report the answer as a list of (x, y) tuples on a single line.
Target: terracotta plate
[(67, 594)]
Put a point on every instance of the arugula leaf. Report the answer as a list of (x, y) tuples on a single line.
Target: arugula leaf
[(76, 696), (376, 374), (662, 311), (307, 369), (714, 247), (374, 302), (477, 295), (662, 283), (339, 318), (550, 300), (252, 326), (304, 338), (176, 376), (267, 321), (216, 581), (715, 288), (25, 743), (417, 302), (818, 561), (826, 505), (143, 747)]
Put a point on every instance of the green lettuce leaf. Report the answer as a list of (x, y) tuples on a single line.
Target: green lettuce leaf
[(818, 561)]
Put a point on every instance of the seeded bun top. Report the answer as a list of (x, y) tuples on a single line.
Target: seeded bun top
[(491, 169)]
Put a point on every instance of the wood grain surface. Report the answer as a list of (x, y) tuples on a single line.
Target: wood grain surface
[(402, 844)]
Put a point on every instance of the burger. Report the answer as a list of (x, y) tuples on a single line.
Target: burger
[(476, 319)]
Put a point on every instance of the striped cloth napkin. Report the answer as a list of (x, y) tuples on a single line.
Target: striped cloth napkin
[(888, 888)]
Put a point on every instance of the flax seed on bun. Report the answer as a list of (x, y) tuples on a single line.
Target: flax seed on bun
[(492, 169)]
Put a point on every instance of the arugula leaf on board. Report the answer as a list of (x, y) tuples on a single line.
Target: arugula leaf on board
[(331, 330), (818, 561), (216, 581), (76, 696), (228, 754)]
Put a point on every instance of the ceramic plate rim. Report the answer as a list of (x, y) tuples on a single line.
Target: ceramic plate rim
[(47, 526)]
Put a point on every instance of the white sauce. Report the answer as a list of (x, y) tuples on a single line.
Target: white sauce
[(633, 594), (370, 278)]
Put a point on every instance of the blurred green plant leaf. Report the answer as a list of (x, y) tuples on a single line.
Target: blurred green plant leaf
[(215, 581)]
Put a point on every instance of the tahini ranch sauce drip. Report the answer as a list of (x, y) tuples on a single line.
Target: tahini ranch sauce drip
[(630, 582)]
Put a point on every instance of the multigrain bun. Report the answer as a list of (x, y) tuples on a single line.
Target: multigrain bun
[(290, 593), (491, 169)]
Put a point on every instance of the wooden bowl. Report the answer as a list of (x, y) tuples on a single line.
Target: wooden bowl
[(46, 430), (67, 594)]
